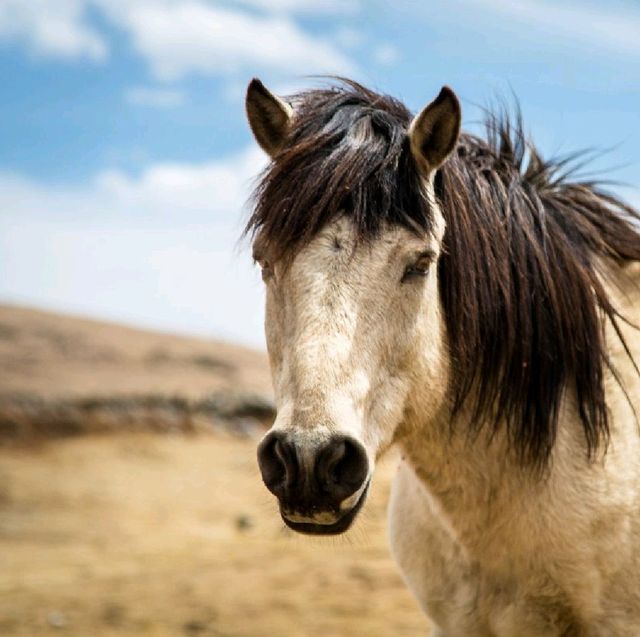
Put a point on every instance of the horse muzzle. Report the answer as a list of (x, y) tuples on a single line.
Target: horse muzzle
[(320, 484)]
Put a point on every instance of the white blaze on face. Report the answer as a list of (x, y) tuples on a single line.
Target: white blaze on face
[(349, 335)]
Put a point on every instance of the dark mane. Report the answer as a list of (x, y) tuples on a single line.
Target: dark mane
[(348, 150), (520, 278)]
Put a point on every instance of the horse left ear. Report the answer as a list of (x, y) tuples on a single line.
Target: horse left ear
[(269, 117), (433, 133)]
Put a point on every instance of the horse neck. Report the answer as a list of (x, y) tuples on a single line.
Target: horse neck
[(456, 464), (478, 480)]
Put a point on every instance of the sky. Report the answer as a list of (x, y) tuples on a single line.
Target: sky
[(126, 163)]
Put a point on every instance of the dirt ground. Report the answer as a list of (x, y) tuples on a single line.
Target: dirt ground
[(175, 535)]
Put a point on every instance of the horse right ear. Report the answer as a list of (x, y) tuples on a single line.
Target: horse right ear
[(433, 133), (269, 117)]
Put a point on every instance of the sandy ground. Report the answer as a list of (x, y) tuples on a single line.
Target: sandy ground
[(175, 535)]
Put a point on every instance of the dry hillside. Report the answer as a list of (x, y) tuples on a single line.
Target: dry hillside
[(54, 355), (130, 501), (64, 375)]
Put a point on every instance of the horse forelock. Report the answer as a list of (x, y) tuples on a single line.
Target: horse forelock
[(522, 295), (347, 152)]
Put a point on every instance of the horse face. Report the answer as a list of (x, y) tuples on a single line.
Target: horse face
[(353, 331), (354, 335)]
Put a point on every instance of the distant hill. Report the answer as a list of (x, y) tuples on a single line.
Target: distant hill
[(61, 375)]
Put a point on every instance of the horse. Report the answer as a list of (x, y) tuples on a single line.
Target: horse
[(473, 305)]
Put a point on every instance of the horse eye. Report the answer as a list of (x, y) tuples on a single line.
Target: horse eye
[(419, 268)]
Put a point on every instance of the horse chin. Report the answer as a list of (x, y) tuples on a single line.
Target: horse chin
[(340, 526)]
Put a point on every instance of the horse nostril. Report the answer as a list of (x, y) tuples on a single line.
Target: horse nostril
[(277, 462), (328, 464), (342, 466), (353, 466)]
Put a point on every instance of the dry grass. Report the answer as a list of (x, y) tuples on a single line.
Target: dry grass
[(175, 535)]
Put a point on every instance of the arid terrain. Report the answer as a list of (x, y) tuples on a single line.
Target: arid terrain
[(131, 504)]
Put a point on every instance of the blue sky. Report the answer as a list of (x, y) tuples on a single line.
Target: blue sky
[(125, 159)]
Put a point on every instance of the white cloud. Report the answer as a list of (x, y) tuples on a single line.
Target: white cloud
[(155, 97), (603, 28), (386, 54), (180, 37), (170, 188), (193, 36), (340, 7), (57, 29), (349, 37), (158, 249)]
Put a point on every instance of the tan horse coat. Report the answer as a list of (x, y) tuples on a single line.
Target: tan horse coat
[(491, 552)]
